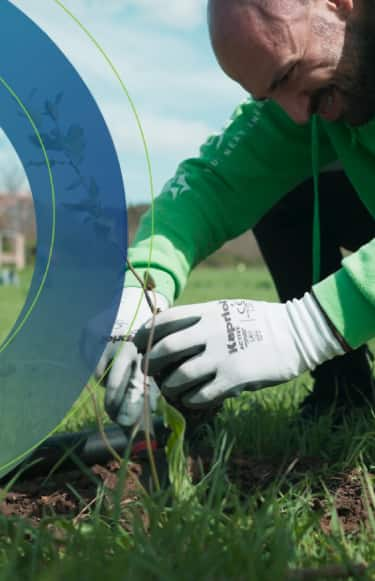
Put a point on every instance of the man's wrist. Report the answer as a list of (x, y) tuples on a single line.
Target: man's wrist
[(165, 284), (313, 336), (336, 333), (134, 311)]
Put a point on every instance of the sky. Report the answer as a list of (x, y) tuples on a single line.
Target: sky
[(162, 52)]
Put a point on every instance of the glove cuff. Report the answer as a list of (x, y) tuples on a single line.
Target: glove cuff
[(346, 347), (134, 310), (314, 337)]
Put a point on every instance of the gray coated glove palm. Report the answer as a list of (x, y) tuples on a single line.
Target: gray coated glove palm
[(124, 395)]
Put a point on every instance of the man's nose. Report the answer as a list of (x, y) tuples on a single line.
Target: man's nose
[(298, 107)]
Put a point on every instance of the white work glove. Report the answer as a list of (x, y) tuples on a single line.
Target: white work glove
[(206, 352), (124, 382), (124, 396)]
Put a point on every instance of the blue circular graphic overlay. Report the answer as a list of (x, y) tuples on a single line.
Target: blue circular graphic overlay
[(59, 134)]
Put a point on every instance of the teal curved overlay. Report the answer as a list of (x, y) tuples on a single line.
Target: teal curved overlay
[(59, 134)]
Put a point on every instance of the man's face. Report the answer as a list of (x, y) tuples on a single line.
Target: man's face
[(309, 58)]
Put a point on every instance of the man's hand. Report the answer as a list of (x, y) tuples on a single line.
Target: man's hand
[(119, 368), (124, 396), (206, 352)]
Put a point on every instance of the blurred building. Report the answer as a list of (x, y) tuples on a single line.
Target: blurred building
[(17, 229)]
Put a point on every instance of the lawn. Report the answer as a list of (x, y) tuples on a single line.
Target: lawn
[(279, 496)]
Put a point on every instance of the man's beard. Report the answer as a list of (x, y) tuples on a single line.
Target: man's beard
[(358, 83), (355, 75)]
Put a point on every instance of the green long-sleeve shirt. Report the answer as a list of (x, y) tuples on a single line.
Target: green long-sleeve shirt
[(239, 175)]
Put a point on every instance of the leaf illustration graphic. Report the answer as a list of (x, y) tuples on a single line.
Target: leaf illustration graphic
[(74, 144), (51, 110), (59, 97), (93, 189), (74, 185), (52, 141)]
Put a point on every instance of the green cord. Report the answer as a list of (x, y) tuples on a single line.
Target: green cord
[(316, 257)]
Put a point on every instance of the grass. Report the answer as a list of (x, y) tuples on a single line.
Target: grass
[(260, 533), (12, 299), (208, 284)]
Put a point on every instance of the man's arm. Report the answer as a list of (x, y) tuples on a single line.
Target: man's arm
[(239, 175), (348, 296)]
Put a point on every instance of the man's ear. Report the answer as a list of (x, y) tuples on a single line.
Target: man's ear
[(343, 8)]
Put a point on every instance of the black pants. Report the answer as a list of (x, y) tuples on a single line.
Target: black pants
[(284, 235)]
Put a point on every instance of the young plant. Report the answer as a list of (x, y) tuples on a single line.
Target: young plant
[(173, 419)]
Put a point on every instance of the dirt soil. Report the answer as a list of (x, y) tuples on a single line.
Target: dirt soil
[(66, 494), (345, 488), (72, 494), (349, 503)]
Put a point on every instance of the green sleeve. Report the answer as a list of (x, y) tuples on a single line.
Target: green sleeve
[(348, 296), (239, 175)]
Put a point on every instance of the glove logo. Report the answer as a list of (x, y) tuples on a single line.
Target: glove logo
[(231, 332)]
